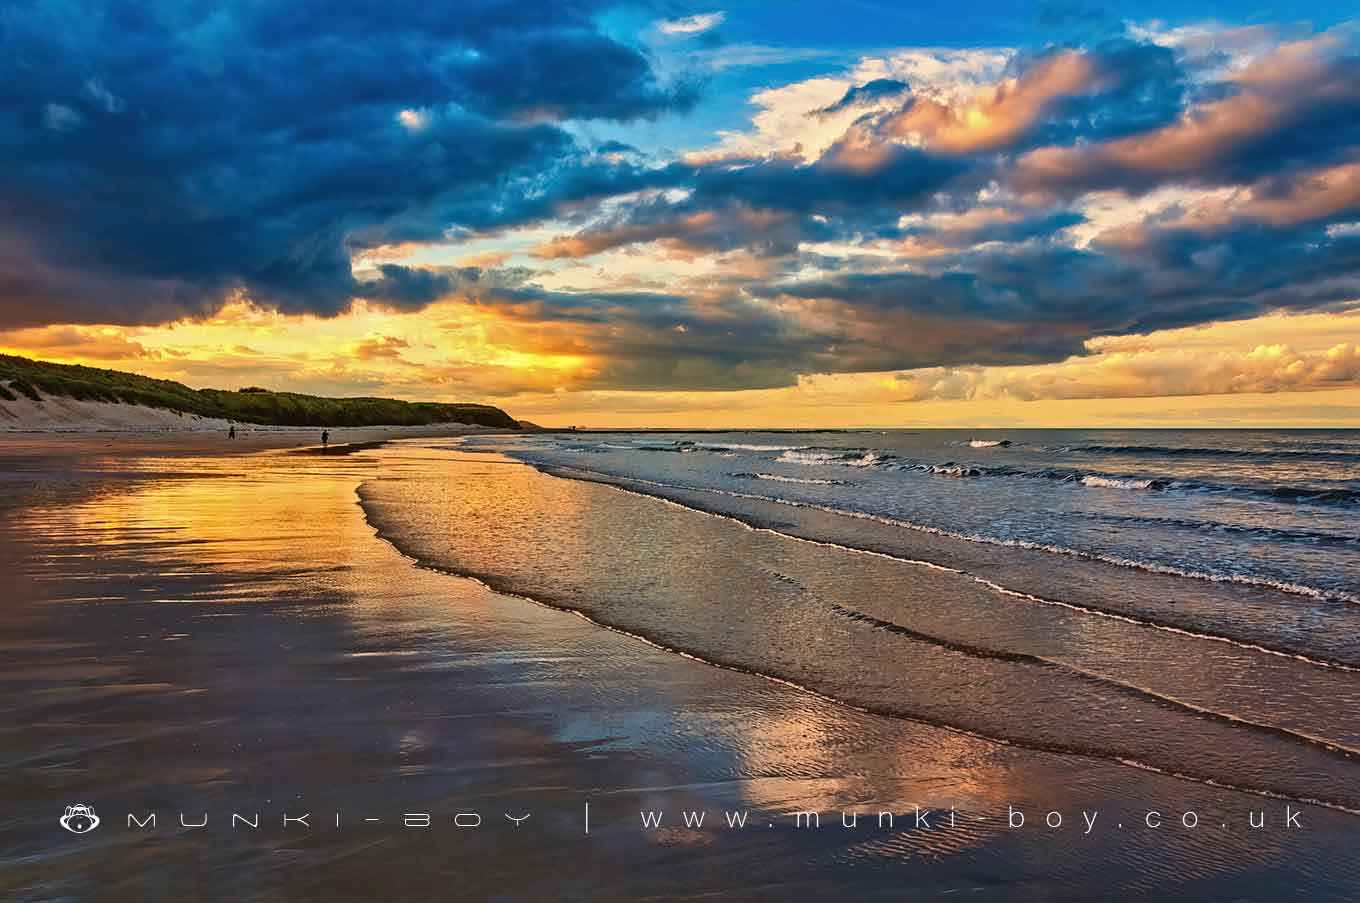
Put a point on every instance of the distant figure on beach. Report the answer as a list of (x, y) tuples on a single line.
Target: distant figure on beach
[(231, 433), (325, 438)]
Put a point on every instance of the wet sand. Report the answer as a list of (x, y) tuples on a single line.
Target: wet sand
[(191, 631), (45, 465), (92, 446)]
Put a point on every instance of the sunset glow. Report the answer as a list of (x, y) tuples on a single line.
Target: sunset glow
[(1098, 221)]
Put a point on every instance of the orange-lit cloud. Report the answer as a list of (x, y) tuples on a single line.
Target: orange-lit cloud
[(999, 114), (1151, 373), (445, 352), (1279, 91), (86, 343), (1239, 372)]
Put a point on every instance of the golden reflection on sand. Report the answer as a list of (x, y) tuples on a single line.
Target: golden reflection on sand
[(255, 514)]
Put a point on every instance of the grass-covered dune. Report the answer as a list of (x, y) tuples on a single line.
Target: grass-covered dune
[(35, 379)]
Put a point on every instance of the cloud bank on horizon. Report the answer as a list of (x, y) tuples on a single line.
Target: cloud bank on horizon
[(622, 198)]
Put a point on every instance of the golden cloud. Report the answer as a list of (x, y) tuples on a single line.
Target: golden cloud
[(999, 114)]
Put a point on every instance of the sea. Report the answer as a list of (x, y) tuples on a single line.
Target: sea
[(1270, 508)]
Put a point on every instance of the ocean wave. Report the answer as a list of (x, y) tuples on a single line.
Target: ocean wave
[(1209, 526), (688, 445), (1114, 483), (989, 443), (951, 469), (857, 457), (1244, 579), (1314, 494), (666, 447), (1303, 495), (738, 446), (822, 456), (1186, 451), (779, 478)]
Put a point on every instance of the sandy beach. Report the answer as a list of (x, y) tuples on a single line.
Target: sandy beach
[(192, 632)]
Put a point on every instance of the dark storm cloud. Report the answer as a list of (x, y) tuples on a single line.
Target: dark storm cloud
[(1058, 297), (660, 341), (565, 77), (898, 179), (411, 287), (512, 288), (1019, 229), (161, 156), (769, 206)]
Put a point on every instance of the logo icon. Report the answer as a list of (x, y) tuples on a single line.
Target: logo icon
[(79, 819)]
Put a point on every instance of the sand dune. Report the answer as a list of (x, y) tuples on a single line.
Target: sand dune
[(57, 414)]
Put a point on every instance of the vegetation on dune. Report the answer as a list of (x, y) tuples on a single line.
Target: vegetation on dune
[(252, 404)]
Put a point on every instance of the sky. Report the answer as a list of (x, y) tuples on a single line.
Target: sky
[(671, 214)]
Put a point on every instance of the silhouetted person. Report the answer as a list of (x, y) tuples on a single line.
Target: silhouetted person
[(325, 438), (231, 433)]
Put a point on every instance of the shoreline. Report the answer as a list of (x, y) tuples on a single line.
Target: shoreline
[(223, 634), (249, 438)]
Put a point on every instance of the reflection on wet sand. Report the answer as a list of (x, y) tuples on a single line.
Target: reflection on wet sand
[(228, 634)]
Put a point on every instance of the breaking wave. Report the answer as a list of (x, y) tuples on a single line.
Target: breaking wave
[(778, 478), (858, 457), (737, 446), (1303, 495), (822, 456), (1112, 483), (1214, 526)]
